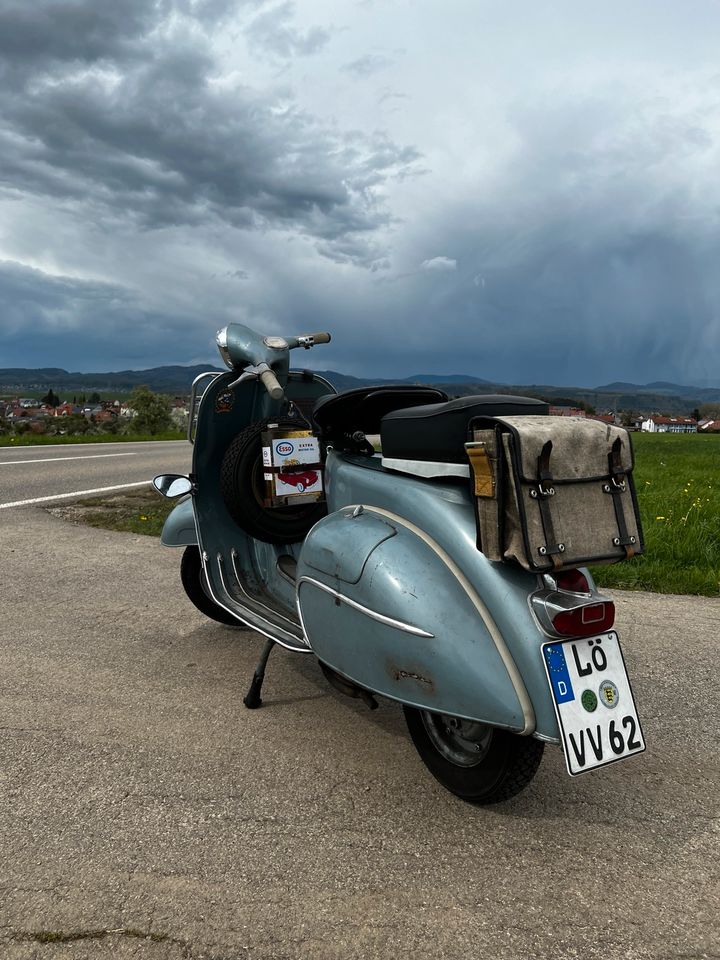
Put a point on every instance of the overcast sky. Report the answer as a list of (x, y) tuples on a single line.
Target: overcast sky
[(526, 192)]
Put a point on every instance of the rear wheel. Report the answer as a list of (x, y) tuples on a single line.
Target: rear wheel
[(195, 584), (475, 761), (242, 483)]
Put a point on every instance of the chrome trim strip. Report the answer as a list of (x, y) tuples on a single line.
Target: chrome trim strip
[(485, 615), (373, 614), (253, 601), (546, 738), (302, 645), (427, 468), (244, 620), (265, 630), (193, 400)]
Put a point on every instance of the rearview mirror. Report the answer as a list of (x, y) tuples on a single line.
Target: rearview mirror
[(172, 485)]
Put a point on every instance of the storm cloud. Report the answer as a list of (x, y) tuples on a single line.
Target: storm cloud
[(121, 109), (528, 204)]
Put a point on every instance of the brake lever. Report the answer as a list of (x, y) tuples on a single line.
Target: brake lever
[(266, 375), (249, 373)]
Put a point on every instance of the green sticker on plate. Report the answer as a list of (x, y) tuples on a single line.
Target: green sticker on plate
[(589, 700)]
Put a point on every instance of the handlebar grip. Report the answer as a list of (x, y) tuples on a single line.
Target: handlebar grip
[(272, 385), (320, 337)]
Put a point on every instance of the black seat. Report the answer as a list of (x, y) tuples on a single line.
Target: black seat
[(438, 432), (340, 415)]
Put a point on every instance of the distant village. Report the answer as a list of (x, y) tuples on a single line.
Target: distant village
[(92, 414), (653, 423), (50, 415)]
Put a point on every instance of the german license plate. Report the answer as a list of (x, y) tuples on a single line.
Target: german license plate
[(593, 701)]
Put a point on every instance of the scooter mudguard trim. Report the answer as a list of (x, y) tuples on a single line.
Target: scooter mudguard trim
[(179, 528), (373, 614)]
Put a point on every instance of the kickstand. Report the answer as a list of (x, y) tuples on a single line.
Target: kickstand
[(252, 698)]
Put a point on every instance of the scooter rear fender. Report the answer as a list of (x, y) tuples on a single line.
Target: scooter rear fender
[(478, 652)]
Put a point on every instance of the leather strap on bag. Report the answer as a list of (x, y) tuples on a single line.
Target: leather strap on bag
[(616, 488), (543, 494), (481, 467)]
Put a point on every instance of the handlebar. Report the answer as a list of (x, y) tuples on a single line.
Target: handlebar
[(272, 384), (308, 340), (261, 367)]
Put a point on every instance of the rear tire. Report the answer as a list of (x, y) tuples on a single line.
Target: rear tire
[(193, 580), (243, 489), (478, 763)]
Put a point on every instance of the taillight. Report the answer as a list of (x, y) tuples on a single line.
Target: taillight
[(585, 621), (573, 580)]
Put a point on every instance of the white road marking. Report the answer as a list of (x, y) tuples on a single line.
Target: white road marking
[(92, 456), (75, 493)]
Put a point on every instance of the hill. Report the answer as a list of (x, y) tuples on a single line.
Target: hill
[(660, 396)]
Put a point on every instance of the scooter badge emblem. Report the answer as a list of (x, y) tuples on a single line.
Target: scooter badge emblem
[(224, 402)]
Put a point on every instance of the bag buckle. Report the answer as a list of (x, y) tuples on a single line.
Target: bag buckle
[(542, 491)]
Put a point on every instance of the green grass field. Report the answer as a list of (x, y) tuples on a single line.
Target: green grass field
[(677, 478)]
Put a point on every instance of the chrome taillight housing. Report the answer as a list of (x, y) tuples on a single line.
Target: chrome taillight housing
[(570, 606)]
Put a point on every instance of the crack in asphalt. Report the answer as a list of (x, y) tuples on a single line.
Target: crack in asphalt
[(187, 950)]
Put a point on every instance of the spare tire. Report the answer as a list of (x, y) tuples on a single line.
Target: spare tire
[(243, 490)]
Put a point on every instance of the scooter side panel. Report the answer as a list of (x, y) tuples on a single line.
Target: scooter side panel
[(405, 629), (179, 527), (242, 574), (444, 512)]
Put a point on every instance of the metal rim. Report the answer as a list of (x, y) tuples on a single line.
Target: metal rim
[(463, 742)]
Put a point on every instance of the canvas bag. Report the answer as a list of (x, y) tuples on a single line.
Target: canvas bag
[(553, 492)]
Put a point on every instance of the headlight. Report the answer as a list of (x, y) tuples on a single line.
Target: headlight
[(221, 340)]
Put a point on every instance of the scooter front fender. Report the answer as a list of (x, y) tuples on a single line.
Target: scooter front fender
[(179, 528)]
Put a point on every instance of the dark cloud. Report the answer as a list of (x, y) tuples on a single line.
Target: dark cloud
[(69, 30), (586, 256), (126, 115), (566, 230), (77, 324)]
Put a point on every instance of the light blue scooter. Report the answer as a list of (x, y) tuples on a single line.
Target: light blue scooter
[(384, 582)]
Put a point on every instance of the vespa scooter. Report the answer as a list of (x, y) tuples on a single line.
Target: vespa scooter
[(383, 582)]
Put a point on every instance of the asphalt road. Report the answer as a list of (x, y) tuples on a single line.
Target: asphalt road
[(145, 813), (69, 471)]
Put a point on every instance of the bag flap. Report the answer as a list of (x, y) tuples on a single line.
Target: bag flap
[(580, 447)]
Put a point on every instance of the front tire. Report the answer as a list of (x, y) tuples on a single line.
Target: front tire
[(478, 763), (193, 580)]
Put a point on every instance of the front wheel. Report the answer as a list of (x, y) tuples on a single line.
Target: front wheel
[(193, 580), (478, 763)]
